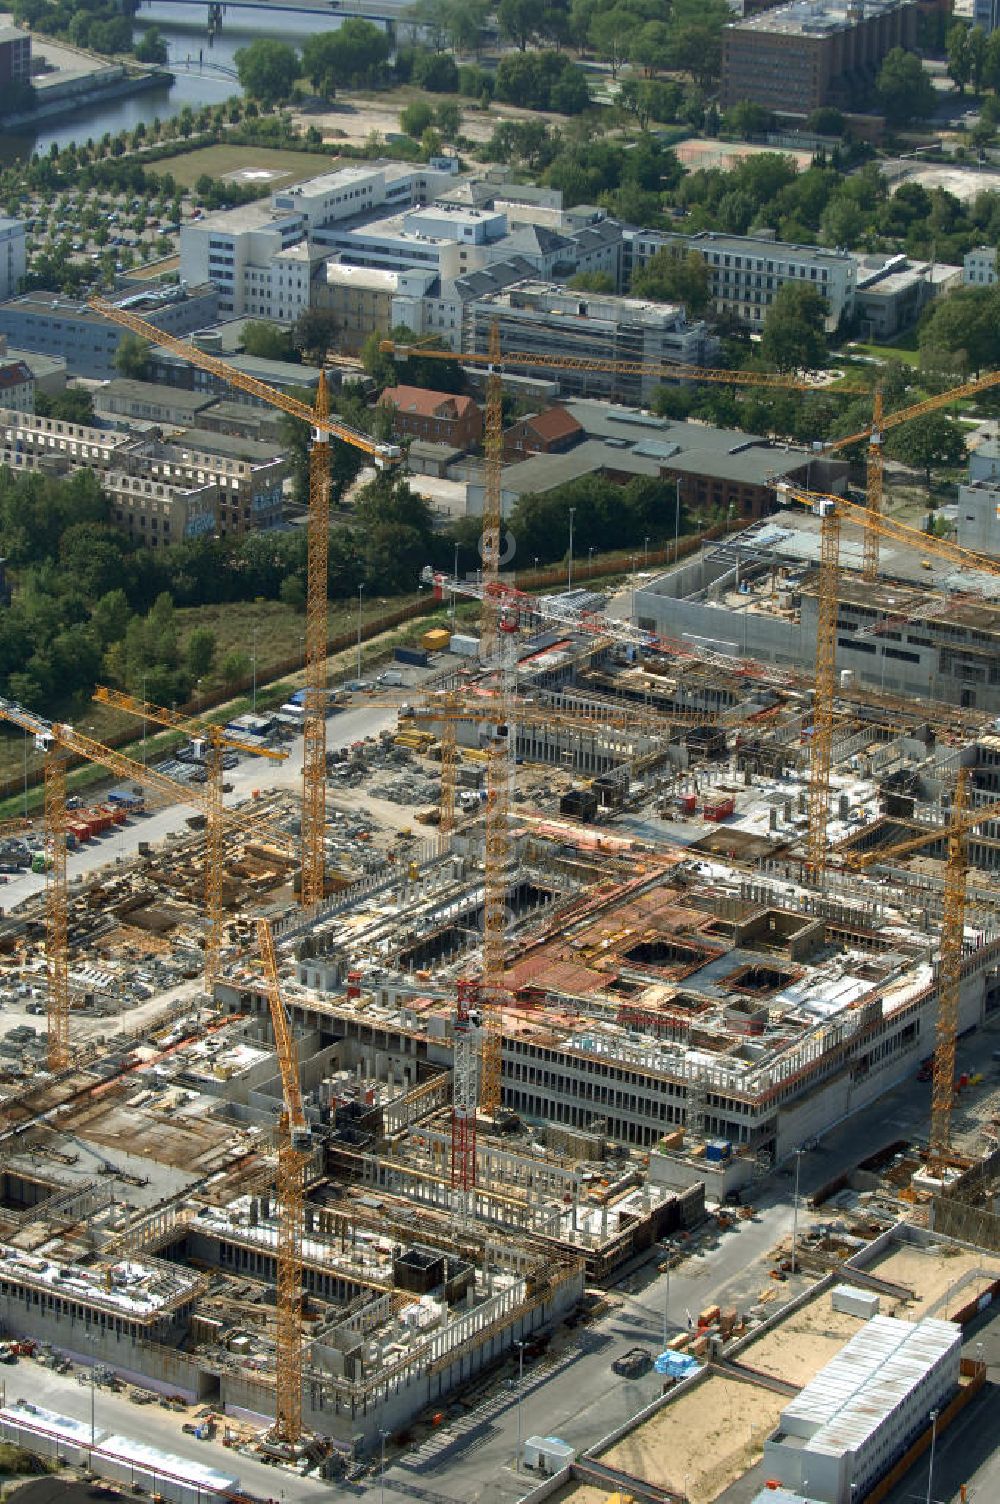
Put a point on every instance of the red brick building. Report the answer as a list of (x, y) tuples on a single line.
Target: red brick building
[(550, 432), (436, 417)]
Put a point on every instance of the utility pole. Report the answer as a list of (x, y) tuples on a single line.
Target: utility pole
[(360, 589), (520, 1380), (569, 572), (795, 1212), (666, 1308), (930, 1469)]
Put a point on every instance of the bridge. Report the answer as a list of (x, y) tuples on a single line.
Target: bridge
[(386, 13)]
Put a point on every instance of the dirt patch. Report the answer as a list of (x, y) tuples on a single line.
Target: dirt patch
[(800, 1346), (943, 1280), (579, 1493), (357, 120), (709, 1437)]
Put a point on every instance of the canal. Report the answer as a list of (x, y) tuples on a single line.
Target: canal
[(204, 71)]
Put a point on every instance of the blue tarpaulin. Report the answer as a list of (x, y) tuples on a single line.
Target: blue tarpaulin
[(676, 1365)]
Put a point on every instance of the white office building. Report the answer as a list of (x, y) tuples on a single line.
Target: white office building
[(857, 1417), (979, 269), (12, 256), (262, 257), (746, 271)]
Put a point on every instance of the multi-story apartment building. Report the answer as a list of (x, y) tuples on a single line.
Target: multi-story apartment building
[(15, 55), (797, 57), (979, 269), (538, 316), (746, 271), (160, 493), (17, 386), (13, 256), (48, 323)]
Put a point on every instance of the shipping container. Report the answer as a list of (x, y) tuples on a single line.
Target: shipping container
[(718, 1150), (719, 809), (416, 656), (464, 646), (436, 640), (854, 1302), (687, 803)]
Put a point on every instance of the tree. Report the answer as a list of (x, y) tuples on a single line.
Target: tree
[(152, 47), (959, 58), (794, 337), (904, 89), (235, 667), (448, 118), (131, 359), (962, 331), (518, 20), (933, 440), (316, 331), (696, 31), (592, 282), (670, 276), (416, 118), (199, 651), (268, 342), (977, 57), (437, 72), (268, 69), (747, 119)]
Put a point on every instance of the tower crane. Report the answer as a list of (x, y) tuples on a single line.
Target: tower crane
[(881, 424), (498, 630), (217, 741), (832, 511), (57, 742), (294, 1147), (322, 429), (950, 950)]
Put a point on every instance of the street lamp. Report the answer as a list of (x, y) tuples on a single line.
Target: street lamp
[(930, 1470), (569, 572), (677, 518), (666, 1307), (795, 1212), (590, 560), (645, 551), (381, 1475), (520, 1378), (144, 720), (360, 589), (254, 660), (454, 592)]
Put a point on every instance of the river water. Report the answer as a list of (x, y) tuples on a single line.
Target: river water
[(204, 71)]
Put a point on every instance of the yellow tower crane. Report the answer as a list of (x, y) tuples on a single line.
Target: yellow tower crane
[(322, 428), (59, 741), (294, 1147), (832, 511), (961, 823), (497, 650), (218, 741), (881, 424)]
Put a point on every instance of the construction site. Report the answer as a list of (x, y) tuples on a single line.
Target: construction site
[(333, 1113)]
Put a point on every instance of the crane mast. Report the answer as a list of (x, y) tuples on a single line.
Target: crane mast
[(314, 730), (949, 977), (293, 1155)]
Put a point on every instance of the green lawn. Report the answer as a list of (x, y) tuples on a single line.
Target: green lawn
[(219, 161), (906, 351)]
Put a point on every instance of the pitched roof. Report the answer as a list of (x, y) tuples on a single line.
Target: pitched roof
[(552, 424), (16, 373), (427, 404)]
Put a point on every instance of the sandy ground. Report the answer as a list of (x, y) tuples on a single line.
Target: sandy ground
[(963, 182), (579, 1493), (709, 1437), (355, 120), (934, 1275), (803, 1343)]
